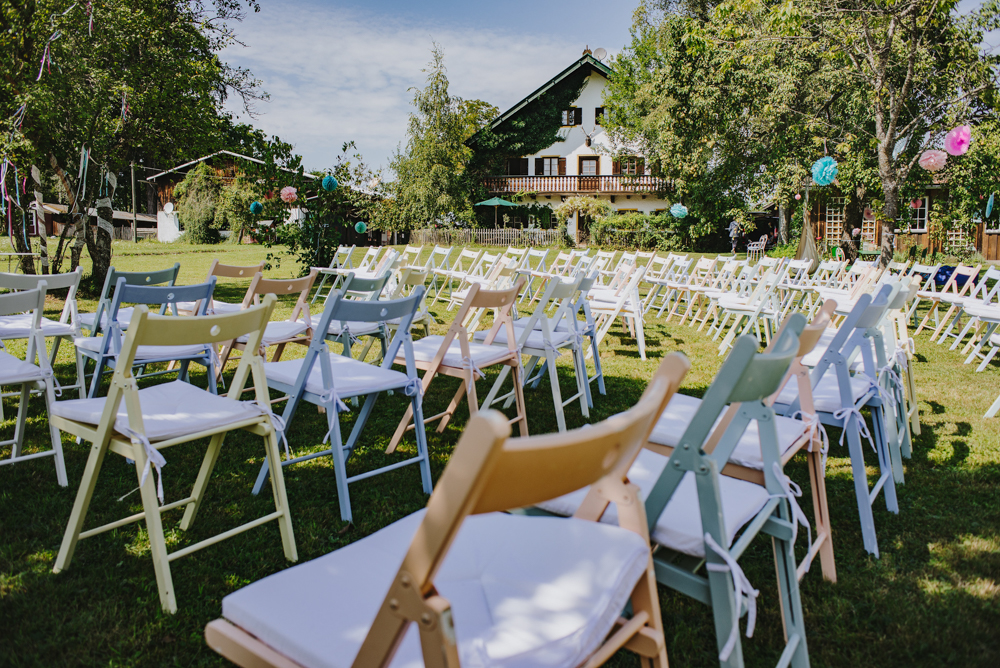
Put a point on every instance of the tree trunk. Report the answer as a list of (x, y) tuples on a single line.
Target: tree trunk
[(99, 242), (890, 191), (784, 219), (853, 215), (19, 232)]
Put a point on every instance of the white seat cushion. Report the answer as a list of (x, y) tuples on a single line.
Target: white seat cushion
[(215, 308), (124, 318), (983, 311), (524, 591), (281, 330), (350, 377), (679, 525), (357, 328), (19, 327), (535, 340), (681, 409), (826, 394), (426, 348), (169, 410), (14, 370), (94, 344)]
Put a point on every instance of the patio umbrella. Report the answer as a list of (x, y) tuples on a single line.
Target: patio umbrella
[(495, 202)]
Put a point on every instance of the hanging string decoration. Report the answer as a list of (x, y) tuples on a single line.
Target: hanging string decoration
[(329, 183), (933, 160), (360, 227), (47, 55), (256, 208), (289, 194), (678, 210), (90, 19), (957, 141), (824, 171)]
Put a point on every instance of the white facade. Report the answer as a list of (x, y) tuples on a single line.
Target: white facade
[(581, 165)]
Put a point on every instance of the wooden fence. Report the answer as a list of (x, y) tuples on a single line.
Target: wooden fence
[(485, 237), (124, 233)]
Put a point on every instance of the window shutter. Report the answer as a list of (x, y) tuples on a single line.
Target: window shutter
[(640, 167), (578, 116), (562, 166), (524, 167), (616, 167), (539, 167)]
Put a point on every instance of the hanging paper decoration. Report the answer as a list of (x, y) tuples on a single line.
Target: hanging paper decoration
[(90, 19), (957, 141), (798, 195), (916, 204), (360, 228), (989, 205), (256, 208), (678, 210), (289, 194), (47, 54), (329, 183), (933, 161), (824, 171)]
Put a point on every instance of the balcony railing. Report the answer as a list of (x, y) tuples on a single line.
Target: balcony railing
[(575, 184)]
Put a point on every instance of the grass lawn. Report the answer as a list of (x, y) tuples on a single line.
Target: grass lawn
[(932, 599)]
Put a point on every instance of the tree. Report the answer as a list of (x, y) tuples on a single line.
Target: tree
[(430, 174), (197, 203), (141, 84)]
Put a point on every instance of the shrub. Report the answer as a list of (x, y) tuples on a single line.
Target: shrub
[(197, 200)]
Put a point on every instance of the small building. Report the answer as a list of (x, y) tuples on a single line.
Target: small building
[(581, 164)]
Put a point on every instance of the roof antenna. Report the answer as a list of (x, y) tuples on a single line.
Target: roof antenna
[(586, 50)]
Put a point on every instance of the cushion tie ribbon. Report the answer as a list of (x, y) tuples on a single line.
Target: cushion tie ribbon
[(791, 492), (816, 428), (742, 587), (846, 414), (470, 365), (154, 459)]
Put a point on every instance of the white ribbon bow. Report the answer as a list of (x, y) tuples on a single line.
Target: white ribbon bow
[(277, 423), (330, 397), (846, 414), (154, 459), (816, 428), (468, 363), (792, 492), (414, 388), (742, 587)]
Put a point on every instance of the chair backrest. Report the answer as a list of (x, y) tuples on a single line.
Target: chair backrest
[(927, 273), (410, 256), (371, 253), (283, 287), (364, 288), (536, 259), (982, 290), (490, 472), (33, 300), (440, 258), (156, 277), (479, 299), (69, 282), (233, 271), (342, 258)]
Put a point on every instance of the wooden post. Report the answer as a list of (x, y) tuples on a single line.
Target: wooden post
[(133, 203)]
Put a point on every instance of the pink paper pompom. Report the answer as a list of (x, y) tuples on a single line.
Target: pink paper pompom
[(916, 204), (798, 196), (957, 141), (933, 161), (289, 194)]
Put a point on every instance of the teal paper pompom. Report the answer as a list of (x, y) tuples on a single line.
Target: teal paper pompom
[(678, 210), (824, 171), (256, 208), (329, 183), (360, 228)]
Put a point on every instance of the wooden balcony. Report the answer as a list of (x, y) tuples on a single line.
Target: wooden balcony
[(575, 184)]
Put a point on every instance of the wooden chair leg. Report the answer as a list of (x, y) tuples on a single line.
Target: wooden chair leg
[(522, 411), (154, 529), (821, 513), (467, 389), (95, 460), (397, 436)]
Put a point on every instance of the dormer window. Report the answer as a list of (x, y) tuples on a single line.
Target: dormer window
[(572, 116)]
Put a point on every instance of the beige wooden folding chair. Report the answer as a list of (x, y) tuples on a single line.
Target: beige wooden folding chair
[(140, 424), (455, 355), (222, 271), (297, 329), (462, 584)]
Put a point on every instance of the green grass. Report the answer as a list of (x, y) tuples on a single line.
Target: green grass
[(932, 599)]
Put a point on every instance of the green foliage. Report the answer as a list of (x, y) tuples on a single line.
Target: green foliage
[(430, 173), (197, 203), (232, 211), (639, 231)]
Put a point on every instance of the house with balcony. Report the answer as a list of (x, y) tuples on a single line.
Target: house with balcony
[(581, 164)]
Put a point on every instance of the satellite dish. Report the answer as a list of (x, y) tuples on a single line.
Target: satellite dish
[(600, 54), (168, 207)]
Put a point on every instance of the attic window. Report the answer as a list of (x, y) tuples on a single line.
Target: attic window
[(572, 116)]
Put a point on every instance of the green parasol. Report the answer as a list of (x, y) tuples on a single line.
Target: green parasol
[(495, 202)]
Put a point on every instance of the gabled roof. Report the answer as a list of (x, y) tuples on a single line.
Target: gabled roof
[(586, 61), (212, 155)]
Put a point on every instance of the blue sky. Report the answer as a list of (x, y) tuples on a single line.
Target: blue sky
[(340, 70)]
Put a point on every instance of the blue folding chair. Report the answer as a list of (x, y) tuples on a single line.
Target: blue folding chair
[(104, 350), (325, 379)]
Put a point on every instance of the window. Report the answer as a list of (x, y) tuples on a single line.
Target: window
[(590, 166), (834, 223), (517, 167), (633, 166), (918, 215), (572, 116), (624, 211), (550, 167), (598, 115)]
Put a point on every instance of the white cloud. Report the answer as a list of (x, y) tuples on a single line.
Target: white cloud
[(342, 76)]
